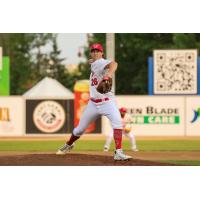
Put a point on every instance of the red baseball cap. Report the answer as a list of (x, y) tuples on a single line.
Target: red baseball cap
[(123, 110), (96, 46)]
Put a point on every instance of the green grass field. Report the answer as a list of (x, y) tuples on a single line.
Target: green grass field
[(183, 162), (172, 145), (97, 145)]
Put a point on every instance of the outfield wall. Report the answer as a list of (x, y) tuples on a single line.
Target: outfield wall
[(192, 114), (161, 115), (12, 116), (150, 115), (155, 115)]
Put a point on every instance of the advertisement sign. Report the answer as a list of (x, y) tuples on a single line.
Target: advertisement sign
[(175, 71), (193, 116), (49, 116), (5, 77), (82, 96), (159, 116), (11, 116)]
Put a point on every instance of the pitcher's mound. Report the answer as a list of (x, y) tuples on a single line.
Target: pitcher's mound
[(71, 160)]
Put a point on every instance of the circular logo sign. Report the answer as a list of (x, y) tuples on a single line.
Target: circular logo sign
[(49, 116)]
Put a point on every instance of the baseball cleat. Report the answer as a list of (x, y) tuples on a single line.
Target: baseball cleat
[(106, 148), (134, 149), (63, 150), (119, 155)]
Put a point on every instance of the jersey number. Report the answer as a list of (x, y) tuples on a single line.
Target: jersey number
[(94, 81)]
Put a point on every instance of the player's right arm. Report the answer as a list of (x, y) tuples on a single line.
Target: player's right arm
[(112, 67)]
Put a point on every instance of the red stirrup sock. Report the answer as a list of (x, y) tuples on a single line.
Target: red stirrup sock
[(72, 139), (118, 138)]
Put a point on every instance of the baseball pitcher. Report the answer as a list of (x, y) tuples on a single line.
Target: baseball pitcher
[(102, 102)]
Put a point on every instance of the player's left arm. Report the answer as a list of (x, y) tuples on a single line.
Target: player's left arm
[(112, 67)]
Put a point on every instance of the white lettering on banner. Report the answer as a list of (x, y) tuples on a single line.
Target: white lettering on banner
[(137, 120), (161, 120), (144, 119)]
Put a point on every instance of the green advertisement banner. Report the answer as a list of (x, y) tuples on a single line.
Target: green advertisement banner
[(5, 77)]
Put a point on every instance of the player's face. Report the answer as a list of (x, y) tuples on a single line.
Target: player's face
[(123, 114), (96, 54)]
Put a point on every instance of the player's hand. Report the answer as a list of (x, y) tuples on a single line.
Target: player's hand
[(90, 61)]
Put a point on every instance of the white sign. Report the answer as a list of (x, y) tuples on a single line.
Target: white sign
[(153, 115), (49, 116), (1, 56), (175, 71), (193, 116), (12, 116)]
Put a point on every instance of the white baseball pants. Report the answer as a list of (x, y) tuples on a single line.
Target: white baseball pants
[(94, 110)]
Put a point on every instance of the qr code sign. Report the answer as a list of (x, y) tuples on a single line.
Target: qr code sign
[(175, 71)]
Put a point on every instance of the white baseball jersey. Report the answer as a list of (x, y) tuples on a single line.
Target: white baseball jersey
[(94, 110), (98, 71)]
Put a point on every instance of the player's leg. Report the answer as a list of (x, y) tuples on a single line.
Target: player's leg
[(110, 110), (131, 137), (109, 138), (89, 115)]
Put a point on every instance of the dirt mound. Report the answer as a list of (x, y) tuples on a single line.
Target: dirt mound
[(71, 160)]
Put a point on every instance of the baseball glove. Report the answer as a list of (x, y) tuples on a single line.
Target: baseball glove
[(105, 85), (127, 128)]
